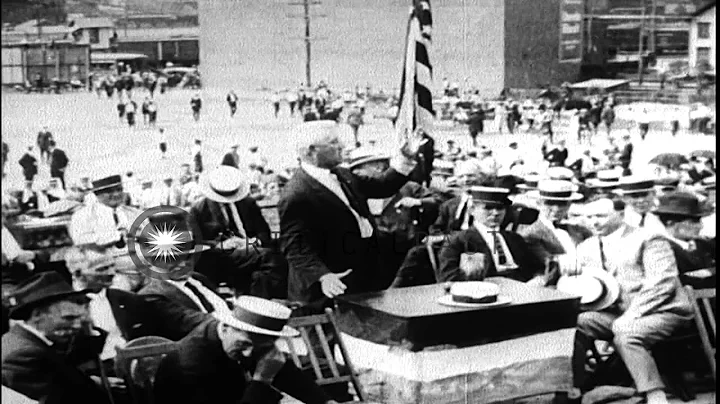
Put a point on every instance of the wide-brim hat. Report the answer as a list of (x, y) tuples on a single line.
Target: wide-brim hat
[(259, 316), (560, 173), (634, 185), (556, 190), (42, 288), (680, 204), (224, 184), (530, 182), (604, 179), (357, 163), (598, 289), (107, 184)]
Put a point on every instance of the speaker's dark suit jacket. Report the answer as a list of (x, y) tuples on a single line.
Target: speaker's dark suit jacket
[(319, 233), (201, 373), (446, 221), (471, 240), (174, 313), (32, 368)]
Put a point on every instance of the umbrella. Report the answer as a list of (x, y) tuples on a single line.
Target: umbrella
[(707, 154), (669, 160)]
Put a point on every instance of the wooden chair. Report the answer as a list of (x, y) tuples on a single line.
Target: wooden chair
[(704, 317), (312, 326), (137, 363)]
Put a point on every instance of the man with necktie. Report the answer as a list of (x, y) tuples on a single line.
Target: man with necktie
[(230, 220), (506, 253), (102, 224), (327, 232), (639, 195), (651, 304)]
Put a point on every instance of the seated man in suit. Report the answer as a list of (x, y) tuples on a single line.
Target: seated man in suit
[(639, 195), (236, 360), (230, 220), (651, 303), (454, 215), (506, 253), (36, 355), (681, 214), (552, 236)]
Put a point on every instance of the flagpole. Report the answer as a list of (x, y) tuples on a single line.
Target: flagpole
[(405, 121)]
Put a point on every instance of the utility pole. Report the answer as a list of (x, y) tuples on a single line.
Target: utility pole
[(653, 26), (307, 38), (126, 16), (640, 45)]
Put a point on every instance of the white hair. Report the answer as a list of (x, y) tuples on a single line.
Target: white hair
[(311, 133)]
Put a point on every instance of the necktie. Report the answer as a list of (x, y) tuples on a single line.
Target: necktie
[(349, 195), (603, 259), (203, 300), (642, 219), (502, 258), (234, 222)]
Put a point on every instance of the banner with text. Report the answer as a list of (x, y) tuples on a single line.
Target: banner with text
[(571, 32)]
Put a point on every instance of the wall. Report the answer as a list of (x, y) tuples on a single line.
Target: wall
[(531, 45), (362, 41), (695, 42)]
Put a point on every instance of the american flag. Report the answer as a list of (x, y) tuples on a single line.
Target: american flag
[(415, 108)]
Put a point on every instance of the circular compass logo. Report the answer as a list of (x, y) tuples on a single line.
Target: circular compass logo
[(163, 243)]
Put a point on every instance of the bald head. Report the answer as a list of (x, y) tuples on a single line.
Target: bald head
[(318, 143)]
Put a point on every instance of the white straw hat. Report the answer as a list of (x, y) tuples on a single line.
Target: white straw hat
[(224, 184), (257, 315)]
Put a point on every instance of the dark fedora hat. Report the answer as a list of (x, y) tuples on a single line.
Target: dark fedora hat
[(107, 184), (680, 204), (40, 289)]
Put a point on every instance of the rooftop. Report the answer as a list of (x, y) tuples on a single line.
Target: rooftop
[(157, 34)]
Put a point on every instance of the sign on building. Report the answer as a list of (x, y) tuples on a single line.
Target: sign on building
[(571, 32)]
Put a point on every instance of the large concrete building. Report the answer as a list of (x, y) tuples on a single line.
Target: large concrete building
[(703, 43), (494, 43)]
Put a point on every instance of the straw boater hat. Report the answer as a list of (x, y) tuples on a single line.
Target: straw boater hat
[(634, 185), (678, 203), (259, 316), (498, 196), (107, 184), (530, 182), (708, 183), (224, 184), (605, 179), (560, 173), (556, 190), (40, 289), (367, 159), (598, 289)]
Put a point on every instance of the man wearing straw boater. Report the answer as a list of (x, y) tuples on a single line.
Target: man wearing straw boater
[(236, 359), (638, 192)]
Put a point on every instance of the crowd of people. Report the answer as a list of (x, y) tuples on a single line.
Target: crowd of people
[(350, 220)]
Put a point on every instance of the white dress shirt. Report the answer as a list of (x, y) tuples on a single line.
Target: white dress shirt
[(217, 302), (651, 223), (465, 200), (10, 246), (489, 237), (95, 224), (102, 316)]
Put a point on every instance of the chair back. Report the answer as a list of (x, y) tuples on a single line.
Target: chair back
[(326, 369), (138, 361), (703, 301)]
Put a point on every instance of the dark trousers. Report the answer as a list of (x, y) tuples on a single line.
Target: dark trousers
[(60, 175)]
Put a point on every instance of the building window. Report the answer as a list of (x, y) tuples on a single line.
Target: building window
[(703, 30), (703, 55), (94, 35)]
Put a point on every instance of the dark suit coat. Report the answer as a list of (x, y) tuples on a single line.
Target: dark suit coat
[(202, 373), (131, 314), (400, 222), (174, 314), (703, 257), (29, 165), (34, 369), (229, 159), (319, 234), (58, 162), (209, 218), (542, 241), (471, 240), (446, 222)]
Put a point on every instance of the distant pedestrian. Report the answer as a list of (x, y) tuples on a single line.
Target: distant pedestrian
[(121, 107), (145, 111), (644, 123), (674, 127), (232, 100), (292, 99), (231, 158), (130, 109), (196, 104), (152, 112), (355, 120), (5, 151), (197, 156), (275, 100), (29, 164), (163, 143), (43, 142), (608, 116), (58, 163), (476, 123)]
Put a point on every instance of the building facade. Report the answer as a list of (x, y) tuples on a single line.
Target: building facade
[(702, 36), (489, 44)]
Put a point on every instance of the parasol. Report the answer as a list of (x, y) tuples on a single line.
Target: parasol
[(707, 154), (669, 160)]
